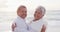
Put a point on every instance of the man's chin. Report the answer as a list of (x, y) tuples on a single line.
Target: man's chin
[(23, 17)]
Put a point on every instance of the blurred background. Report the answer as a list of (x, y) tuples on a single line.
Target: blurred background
[(8, 10)]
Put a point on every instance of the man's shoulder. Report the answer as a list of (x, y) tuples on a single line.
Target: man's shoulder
[(16, 19)]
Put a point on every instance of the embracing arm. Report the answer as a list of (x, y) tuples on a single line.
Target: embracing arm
[(43, 28), (13, 26)]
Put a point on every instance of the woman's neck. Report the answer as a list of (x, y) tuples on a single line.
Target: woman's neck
[(37, 19)]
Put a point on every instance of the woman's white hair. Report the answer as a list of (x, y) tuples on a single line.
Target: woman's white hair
[(42, 9)]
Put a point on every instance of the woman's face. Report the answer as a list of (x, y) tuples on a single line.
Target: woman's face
[(38, 14)]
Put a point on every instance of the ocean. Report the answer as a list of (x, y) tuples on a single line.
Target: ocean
[(51, 16)]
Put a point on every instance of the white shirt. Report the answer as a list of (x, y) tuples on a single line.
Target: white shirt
[(37, 25), (20, 25)]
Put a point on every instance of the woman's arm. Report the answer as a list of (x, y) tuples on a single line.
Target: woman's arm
[(43, 28), (13, 26)]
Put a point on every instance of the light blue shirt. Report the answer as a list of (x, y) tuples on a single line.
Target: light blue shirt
[(37, 25), (21, 25)]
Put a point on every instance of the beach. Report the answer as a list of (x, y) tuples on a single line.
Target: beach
[(52, 17)]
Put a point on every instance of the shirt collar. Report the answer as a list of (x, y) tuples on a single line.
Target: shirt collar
[(38, 20), (21, 18)]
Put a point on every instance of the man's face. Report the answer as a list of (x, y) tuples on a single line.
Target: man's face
[(37, 14), (22, 12)]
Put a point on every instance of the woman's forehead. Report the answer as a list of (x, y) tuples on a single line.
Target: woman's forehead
[(38, 10)]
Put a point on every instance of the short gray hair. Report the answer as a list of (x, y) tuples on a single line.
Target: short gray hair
[(42, 9)]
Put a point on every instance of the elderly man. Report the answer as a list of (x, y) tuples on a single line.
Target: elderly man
[(19, 24)]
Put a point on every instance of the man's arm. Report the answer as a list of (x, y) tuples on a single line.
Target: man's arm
[(43, 28)]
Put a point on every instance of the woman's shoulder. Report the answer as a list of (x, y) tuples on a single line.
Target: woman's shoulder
[(45, 22)]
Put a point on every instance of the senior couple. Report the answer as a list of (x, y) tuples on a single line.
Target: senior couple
[(37, 24)]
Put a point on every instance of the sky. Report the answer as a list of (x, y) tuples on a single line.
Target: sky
[(12, 5)]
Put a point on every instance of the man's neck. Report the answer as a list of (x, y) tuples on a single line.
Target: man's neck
[(21, 17)]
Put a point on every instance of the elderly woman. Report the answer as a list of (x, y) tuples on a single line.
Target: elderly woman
[(38, 24)]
